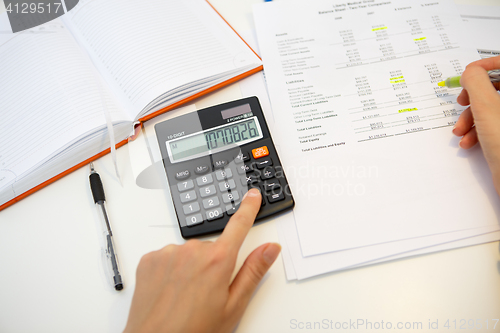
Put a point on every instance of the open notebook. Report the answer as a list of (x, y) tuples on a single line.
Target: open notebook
[(105, 64)]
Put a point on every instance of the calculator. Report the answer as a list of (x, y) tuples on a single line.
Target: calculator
[(212, 157)]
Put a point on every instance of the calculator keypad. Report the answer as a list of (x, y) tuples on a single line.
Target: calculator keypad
[(223, 174), (201, 169), (249, 179), (186, 185), (207, 191), (191, 208), (228, 197), (276, 197), (211, 203), (267, 173), (188, 196), (227, 185), (230, 210), (204, 180), (214, 214), (218, 189), (262, 163), (194, 220), (182, 174)]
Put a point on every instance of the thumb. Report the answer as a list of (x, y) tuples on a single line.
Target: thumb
[(251, 273)]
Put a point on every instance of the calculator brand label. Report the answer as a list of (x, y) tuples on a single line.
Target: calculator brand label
[(174, 136)]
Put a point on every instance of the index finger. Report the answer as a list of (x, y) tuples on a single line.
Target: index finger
[(240, 223)]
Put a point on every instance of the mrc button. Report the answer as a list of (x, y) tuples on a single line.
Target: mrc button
[(182, 174)]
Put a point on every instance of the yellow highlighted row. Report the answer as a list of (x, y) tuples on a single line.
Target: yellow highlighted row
[(398, 79), (407, 110), (377, 29), (421, 38)]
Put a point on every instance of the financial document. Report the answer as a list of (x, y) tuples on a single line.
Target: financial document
[(364, 130)]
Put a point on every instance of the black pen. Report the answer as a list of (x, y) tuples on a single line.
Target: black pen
[(100, 199)]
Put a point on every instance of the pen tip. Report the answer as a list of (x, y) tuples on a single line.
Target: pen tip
[(91, 167), (442, 84), (119, 286)]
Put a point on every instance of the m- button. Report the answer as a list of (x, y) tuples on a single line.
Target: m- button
[(201, 169)]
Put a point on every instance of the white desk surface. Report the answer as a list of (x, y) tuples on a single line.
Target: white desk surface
[(52, 277)]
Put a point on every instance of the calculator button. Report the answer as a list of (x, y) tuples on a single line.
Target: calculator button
[(220, 163), (193, 220), (184, 186), (249, 179), (271, 185), (228, 197), (276, 197), (260, 152), (191, 208), (211, 203), (214, 214), (207, 191), (182, 175), (230, 210), (246, 156), (245, 168), (204, 180), (239, 158), (267, 173), (241, 169), (223, 174), (227, 185), (188, 196), (201, 169), (256, 185), (261, 164)]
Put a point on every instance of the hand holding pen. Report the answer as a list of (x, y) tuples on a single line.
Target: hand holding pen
[(480, 122), (100, 199), (454, 81)]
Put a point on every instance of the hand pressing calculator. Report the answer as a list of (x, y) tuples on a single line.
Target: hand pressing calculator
[(212, 157)]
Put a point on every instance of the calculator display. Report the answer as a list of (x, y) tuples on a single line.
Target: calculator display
[(214, 140)]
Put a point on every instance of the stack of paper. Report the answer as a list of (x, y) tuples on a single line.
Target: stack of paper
[(364, 132)]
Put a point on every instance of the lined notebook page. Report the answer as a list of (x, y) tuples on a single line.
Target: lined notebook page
[(146, 48), (49, 97)]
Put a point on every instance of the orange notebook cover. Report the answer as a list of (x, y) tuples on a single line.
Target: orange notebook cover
[(148, 117)]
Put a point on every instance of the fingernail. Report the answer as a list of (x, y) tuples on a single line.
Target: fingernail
[(460, 143), (271, 252), (254, 192)]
